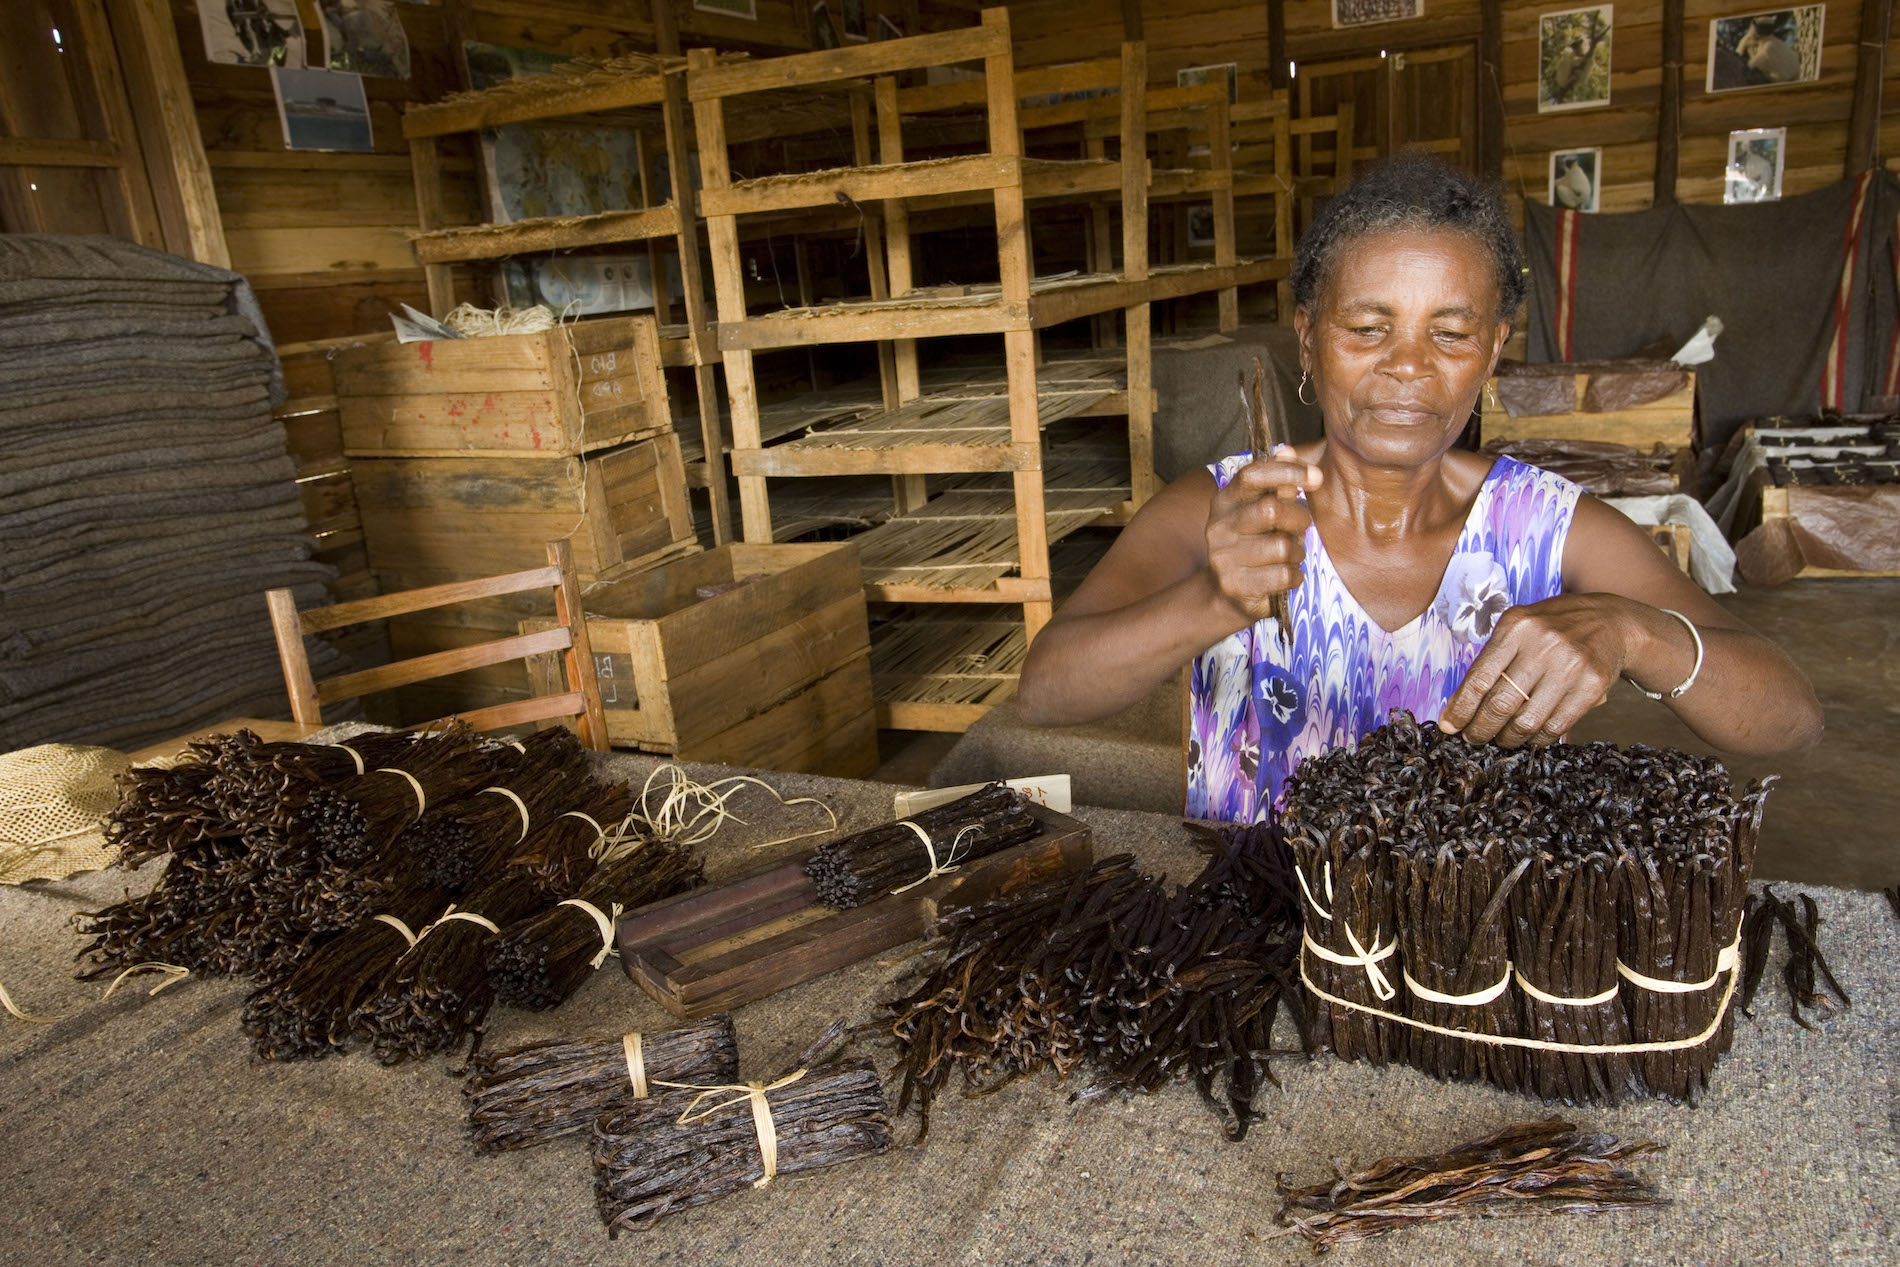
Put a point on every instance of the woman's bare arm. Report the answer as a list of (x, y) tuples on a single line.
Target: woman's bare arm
[(1194, 565), (1612, 621)]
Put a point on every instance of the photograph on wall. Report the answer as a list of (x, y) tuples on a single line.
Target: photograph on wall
[(1755, 158), (560, 169), (322, 110), (364, 37), (1574, 179), (1762, 50), (251, 32), (857, 26), (1370, 12), (1195, 76), (747, 9), (824, 30), (1573, 59), (491, 64)]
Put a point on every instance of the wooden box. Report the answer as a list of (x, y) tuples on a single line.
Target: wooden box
[(464, 517), (566, 391), (1668, 420), (1676, 541), (714, 949), (773, 672)]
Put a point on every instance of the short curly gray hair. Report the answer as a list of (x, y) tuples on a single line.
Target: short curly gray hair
[(1412, 190)]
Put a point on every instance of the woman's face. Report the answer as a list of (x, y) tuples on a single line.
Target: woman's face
[(1404, 334)]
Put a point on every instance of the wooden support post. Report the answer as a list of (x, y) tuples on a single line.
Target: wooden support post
[(1669, 105), (1101, 248), (1276, 45), (755, 509), (876, 260), (1019, 353), (1283, 212), (425, 165), (1131, 20), (1134, 129), (288, 628), (1491, 88), (578, 658), (167, 123), (1870, 68), (1221, 150), (908, 492)]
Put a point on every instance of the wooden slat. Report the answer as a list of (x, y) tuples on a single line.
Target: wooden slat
[(288, 630), (519, 712), (849, 325), (384, 606), (975, 172), (1037, 81), (804, 70), (498, 241), (40, 152), (550, 99), (578, 659), (906, 459), (442, 663)]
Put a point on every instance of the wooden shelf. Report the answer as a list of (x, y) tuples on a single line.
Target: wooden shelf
[(961, 547), (943, 671), (557, 233)]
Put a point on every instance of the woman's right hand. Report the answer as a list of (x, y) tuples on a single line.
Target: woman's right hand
[(1256, 531)]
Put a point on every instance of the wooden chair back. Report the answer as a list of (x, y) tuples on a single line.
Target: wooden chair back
[(579, 704)]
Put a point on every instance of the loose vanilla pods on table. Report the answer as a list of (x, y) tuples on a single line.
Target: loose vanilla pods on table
[(1801, 926), (542, 1091), (1564, 920), (674, 1151), (1547, 1167), (854, 869)]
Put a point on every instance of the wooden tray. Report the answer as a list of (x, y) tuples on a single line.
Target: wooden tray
[(714, 949)]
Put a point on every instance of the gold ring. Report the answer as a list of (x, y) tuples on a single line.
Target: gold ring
[(1506, 679)]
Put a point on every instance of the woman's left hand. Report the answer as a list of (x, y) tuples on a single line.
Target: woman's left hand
[(1546, 665)]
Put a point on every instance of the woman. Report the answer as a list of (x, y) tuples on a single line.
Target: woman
[(1492, 596)]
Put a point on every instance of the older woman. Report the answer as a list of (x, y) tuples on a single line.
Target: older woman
[(1489, 595)]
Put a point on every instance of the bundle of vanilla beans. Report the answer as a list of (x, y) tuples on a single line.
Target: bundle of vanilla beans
[(1564, 899), (682, 1148), (363, 885), (1547, 1167), (852, 870), (1111, 972), (543, 1091)]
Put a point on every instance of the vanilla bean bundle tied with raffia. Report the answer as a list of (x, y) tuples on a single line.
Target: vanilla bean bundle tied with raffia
[(853, 869), (460, 841), (543, 1091), (1563, 920), (701, 1142), (357, 820)]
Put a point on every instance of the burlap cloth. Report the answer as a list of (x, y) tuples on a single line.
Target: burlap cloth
[(143, 1131)]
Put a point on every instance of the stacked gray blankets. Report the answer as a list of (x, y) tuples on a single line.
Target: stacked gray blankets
[(146, 498)]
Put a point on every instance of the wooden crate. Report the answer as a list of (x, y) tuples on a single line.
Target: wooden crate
[(463, 517), (715, 949), (571, 390), (773, 673), (1668, 421), (1676, 541)]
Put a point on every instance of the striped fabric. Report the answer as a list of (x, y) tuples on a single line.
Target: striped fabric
[(1834, 371), (1569, 229)]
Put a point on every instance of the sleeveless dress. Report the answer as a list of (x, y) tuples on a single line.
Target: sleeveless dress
[(1256, 713)]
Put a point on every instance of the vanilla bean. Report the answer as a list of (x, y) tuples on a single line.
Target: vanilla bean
[(851, 870), (542, 1091)]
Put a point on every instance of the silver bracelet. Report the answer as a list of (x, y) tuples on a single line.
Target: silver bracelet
[(1693, 670)]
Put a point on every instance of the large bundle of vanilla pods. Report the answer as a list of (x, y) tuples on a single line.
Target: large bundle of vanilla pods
[(1112, 973), (1560, 920)]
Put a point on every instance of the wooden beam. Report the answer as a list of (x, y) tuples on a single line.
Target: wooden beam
[(1491, 88), (386, 677), (384, 606), (551, 99), (973, 172), (498, 241), (1276, 45), (902, 459), (33, 151), (1131, 20), (1669, 106), (1863, 125), (806, 70)]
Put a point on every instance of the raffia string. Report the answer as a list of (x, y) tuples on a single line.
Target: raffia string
[(950, 859), (471, 322), (422, 800), (754, 1092), (31, 1018), (450, 914), (691, 812), (354, 754), (174, 974), (520, 805), (399, 926), (636, 1064), (1361, 958), (604, 921)]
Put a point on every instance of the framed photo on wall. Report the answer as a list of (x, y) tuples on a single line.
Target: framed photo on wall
[(1195, 76), (1573, 59), (747, 9), (1576, 179), (1371, 12), (1755, 159), (1763, 50)]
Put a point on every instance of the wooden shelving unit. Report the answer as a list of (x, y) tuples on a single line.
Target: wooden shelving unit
[(966, 545), (634, 83)]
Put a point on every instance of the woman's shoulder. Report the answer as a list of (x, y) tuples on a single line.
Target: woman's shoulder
[(1520, 489)]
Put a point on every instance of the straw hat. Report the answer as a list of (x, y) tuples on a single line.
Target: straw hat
[(53, 804)]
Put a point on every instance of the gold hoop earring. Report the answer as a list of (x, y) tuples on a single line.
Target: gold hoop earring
[(1491, 396), (1300, 391)]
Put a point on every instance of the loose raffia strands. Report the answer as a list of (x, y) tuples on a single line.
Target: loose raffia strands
[(696, 1144), (1110, 972), (464, 839), (543, 1091), (1801, 924), (307, 1014), (1546, 1167), (1564, 920), (540, 962), (852, 870)]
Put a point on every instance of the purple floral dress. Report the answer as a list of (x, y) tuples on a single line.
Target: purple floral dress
[(1257, 714)]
